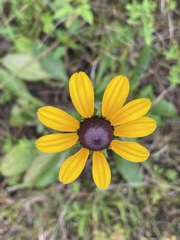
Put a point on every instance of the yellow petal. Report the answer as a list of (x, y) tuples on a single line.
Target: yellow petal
[(73, 166), (56, 142), (137, 128), (114, 96), (101, 171), (131, 111), (82, 94), (57, 119), (130, 151)]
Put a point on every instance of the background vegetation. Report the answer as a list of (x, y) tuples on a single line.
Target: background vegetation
[(42, 43)]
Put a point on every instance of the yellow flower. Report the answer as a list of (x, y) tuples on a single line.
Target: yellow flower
[(96, 133)]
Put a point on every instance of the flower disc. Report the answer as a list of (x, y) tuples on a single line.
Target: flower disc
[(95, 133)]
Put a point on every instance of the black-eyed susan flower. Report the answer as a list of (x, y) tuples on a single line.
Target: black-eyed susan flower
[(96, 133)]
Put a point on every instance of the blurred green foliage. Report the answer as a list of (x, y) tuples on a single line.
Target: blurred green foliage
[(141, 17), (48, 41), (30, 61)]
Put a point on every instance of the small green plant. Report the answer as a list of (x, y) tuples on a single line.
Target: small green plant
[(141, 17)]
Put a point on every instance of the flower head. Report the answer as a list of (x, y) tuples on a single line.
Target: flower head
[(96, 133)]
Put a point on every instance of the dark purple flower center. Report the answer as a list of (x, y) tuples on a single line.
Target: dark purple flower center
[(95, 133)]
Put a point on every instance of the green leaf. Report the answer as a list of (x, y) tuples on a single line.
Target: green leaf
[(101, 78), (47, 20), (54, 67), (64, 11), (143, 62), (24, 45), (172, 174), (173, 52), (24, 67), (129, 171), (147, 92), (73, 28), (43, 171), (87, 16), (14, 85), (174, 74), (24, 110), (12, 181), (159, 120), (164, 108), (18, 159)]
